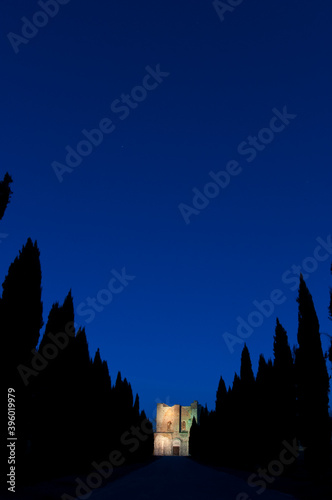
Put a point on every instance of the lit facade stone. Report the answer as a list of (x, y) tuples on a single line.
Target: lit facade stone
[(173, 428)]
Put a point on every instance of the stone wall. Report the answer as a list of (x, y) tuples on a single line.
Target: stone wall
[(173, 428)]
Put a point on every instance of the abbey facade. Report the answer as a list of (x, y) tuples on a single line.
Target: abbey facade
[(173, 428)]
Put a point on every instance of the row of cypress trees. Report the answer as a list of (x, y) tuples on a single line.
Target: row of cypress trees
[(68, 413), (286, 401)]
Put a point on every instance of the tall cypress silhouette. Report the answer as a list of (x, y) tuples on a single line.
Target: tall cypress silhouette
[(60, 318), (235, 421), (194, 442), (266, 422), (55, 387), (312, 385), (246, 374), (284, 388), (205, 429), (123, 403), (221, 397), (221, 427), (247, 430), (101, 407), (5, 193), (82, 411), (201, 435), (20, 322), (146, 447), (136, 408), (21, 307)]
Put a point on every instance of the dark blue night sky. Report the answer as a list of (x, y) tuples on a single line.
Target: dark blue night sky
[(180, 100)]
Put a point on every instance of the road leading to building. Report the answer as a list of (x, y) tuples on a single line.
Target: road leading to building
[(180, 478)]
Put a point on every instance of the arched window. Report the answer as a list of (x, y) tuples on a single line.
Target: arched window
[(169, 426)]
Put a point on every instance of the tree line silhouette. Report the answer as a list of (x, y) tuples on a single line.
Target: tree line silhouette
[(286, 401), (68, 413)]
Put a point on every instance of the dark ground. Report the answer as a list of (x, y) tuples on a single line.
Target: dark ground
[(179, 478)]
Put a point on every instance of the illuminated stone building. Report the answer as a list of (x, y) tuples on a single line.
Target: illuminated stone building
[(173, 428)]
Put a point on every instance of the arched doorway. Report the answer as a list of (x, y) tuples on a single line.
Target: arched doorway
[(176, 447)]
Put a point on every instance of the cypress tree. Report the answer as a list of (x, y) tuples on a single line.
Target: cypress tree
[(60, 319), (247, 429), (82, 354), (123, 404), (221, 423), (194, 444), (5, 193), (266, 422), (56, 393), (136, 407), (221, 397), (101, 407), (312, 385), (246, 373), (107, 385), (145, 450), (284, 389), (20, 322), (21, 308), (263, 391), (235, 422), (205, 432), (82, 396)]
